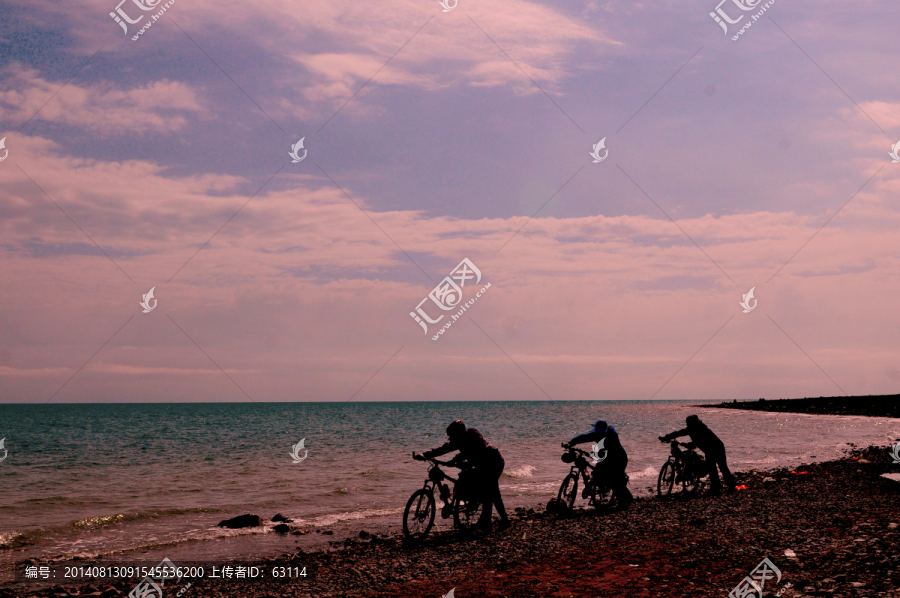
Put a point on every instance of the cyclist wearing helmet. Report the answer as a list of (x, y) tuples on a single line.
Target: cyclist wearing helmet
[(613, 459), (487, 465), (712, 448)]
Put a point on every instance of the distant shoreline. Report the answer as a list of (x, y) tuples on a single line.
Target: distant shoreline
[(869, 405)]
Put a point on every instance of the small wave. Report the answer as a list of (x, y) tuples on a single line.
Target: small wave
[(11, 539), (94, 522), (326, 520), (152, 542), (104, 520), (647, 472), (769, 460), (531, 489), (522, 471)]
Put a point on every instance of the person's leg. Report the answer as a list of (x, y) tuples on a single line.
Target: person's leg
[(498, 501), (726, 473), (620, 486), (497, 497), (486, 487), (712, 460)]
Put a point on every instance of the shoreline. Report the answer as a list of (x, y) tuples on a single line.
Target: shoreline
[(867, 405), (839, 517)]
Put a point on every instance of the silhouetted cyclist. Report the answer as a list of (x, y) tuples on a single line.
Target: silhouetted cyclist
[(612, 466), (487, 462), (712, 448)]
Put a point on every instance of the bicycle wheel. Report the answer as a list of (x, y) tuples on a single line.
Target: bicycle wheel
[(568, 491), (602, 497), (418, 517), (690, 481), (466, 514), (666, 480)]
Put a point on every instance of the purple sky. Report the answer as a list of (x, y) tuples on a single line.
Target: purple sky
[(432, 137)]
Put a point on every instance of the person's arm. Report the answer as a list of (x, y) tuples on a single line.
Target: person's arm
[(457, 460), (447, 447), (589, 437), (673, 435)]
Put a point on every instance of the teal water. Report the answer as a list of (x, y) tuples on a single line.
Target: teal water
[(113, 479)]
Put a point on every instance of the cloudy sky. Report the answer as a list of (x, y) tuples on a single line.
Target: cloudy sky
[(431, 137)]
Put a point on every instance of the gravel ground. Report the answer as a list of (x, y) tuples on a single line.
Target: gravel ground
[(840, 518)]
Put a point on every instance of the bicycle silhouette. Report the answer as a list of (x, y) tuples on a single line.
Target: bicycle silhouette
[(597, 489), (686, 467), (418, 517)]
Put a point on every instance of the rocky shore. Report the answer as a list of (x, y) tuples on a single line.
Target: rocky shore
[(830, 528), (870, 405)]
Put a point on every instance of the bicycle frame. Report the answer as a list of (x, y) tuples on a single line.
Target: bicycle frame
[(580, 468), (436, 479), (438, 483), (684, 461)]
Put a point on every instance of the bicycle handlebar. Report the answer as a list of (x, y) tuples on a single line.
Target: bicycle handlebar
[(444, 463), (687, 445), (574, 450)]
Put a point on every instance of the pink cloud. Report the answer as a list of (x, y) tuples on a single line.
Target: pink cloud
[(301, 297), (101, 109)]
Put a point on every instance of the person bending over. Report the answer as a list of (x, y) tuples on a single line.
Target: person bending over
[(487, 463), (613, 461), (712, 448)]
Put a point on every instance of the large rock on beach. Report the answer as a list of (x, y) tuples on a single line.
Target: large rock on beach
[(242, 521)]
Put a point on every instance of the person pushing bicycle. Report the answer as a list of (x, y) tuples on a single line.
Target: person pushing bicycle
[(713, 448), (487, 465), (612, 459)]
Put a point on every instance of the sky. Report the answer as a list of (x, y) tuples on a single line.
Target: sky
[(161, 158)]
